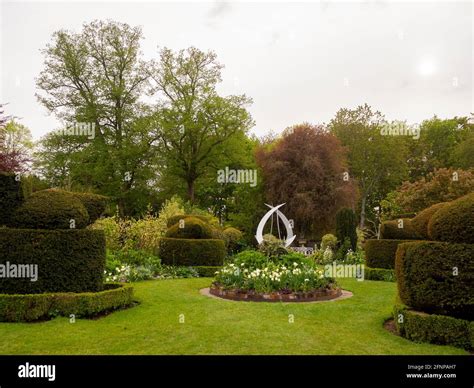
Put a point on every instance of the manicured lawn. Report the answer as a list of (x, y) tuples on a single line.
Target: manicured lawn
[(351, 326)]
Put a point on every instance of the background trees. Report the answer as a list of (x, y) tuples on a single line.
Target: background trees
[(304, 168)]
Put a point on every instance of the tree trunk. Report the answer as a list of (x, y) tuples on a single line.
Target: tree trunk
[(362, 212), (191, 191)]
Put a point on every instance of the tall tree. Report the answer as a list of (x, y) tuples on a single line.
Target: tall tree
[(305, 169), (195, 125), (378, 162), (96, 77), (15, 146)]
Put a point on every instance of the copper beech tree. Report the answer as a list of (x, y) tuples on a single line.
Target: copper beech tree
[(306, 169)]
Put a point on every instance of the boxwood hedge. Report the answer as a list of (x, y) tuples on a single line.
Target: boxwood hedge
[(420, 222), (391, 230), (438, 329), (67, 260), (32, 307), (95, 204), (436, 277), (382, 274), (454, 222), (381, 253), (192, 228), (192, 252)]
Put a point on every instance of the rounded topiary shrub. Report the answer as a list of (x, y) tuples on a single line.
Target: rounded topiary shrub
[(192, 252), (175, 219), (400, 229), (95, 204), (233, 238), (51, 209), (11, 197), (436, 277), (51, 261), (190, 227), (454, 222), (381, 253), (420, 222)]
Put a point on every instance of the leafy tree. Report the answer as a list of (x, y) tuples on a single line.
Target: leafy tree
[(440, 186), (378, 162), (304, 169), (97, 77), (196, 125), (15, 146)]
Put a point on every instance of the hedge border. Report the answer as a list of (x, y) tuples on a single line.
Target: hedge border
[(207, 271), (34, 307), (379, 274), (432, 328), (382, 253)]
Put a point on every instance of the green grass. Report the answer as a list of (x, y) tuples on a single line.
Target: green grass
[(350, 326)]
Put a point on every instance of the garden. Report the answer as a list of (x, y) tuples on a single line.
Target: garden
[(169, 228)]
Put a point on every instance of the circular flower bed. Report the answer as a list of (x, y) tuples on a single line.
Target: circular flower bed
[(292, 277)]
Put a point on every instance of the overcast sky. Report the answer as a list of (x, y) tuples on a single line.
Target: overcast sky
[(297, 61)]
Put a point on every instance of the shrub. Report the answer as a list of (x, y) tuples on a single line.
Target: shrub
[(95, 204), (436, 277), (420, 222), (51, 209), (323, 257), (233, 238), (272, 246), (191, 252), (207, 271), (27, 308), (112, 231), (328, 240), (11, 197), (67, 260), (381, 253), (173, 220), (381, 274), (400, 229), (143, 234), (346, 227), (192, 228), (251, 259), (343, 250), (454, 222), (437, 329)]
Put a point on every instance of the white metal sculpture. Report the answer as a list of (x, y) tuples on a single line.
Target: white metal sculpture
[(289, 230)]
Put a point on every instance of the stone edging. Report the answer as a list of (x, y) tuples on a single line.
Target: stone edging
[(339, 294)]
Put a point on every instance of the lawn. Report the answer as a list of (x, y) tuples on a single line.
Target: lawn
[(351, 326)]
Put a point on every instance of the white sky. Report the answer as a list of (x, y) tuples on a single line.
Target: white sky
[(298, 61)]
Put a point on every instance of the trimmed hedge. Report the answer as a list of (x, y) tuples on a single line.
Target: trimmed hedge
[(11, 197), (454, 222), (192, 252), (381, 253), (95, 204), (51, 209), (193, 228), (425, 272), (207, 271), (437, 329), (67, 260), (175, 219), (390, 230), (233, 238), (420, 222), (33, 307), (382, 274)]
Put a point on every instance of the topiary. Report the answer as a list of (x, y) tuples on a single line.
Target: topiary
[(420, 222), (11, 197), (454, 222), (95, 204), (233, 238), (436, 277), (175, 219), (400, 229), (51, 209), (192, 252), (381, 253), (189, 228), (328, 241), (346, 227)]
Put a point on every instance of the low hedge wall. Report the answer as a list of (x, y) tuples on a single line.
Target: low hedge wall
[(390, 230), (67, 260), (192, 252), (437, 277), (382, 274), (436, 329), (207, 271), (381, 253), (33, 307)]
